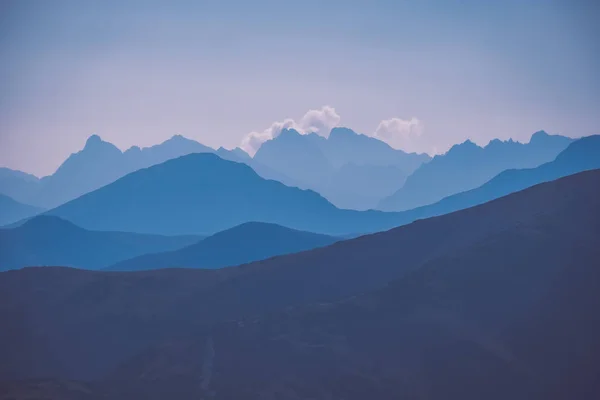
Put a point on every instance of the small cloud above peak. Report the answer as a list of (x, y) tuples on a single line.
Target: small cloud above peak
[(403, 134), (319, 121)]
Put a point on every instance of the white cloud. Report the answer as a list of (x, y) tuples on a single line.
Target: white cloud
[(318, 121), (403, 134)]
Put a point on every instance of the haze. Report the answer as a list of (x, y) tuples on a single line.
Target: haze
[(419, 74)]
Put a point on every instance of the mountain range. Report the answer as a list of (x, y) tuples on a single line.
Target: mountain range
[(47, 241), (98, 164), (204, 194), (494, 301), (349, 169), (581, 155), (51, 241), (242, 244), (466, 166), (13, 211), (352, 171)]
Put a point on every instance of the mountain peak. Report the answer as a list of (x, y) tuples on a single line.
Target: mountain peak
[(340, 132), (42, 222), (466, 145), (289, 132), (178, 138), (539, 135), (93, 140), (95, 143)]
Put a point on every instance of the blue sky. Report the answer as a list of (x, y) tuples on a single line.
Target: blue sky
[(421, 74)]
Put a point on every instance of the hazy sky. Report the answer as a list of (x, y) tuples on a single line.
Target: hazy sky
[(421, 74)]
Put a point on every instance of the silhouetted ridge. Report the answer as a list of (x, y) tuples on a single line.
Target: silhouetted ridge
[(50, 240), (489, 302), (43, 222), (321, 164), (92, 141), (466, 166), (204, 194), (251, 241), (579, 156), (12, 211)]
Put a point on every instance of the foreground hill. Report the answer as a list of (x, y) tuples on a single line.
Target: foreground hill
[(204, 194), (242, 244), (466, 166), (12, 211), (486, 303), (513, 316), (47, 240)]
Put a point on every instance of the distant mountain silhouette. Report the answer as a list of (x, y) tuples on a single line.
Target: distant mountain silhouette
[(204, 194), (101, 163), (18, 185), (12, 211), (581, 155), (489, 292), (486, 302), (360, 187), (323, 164), (297, 156), (46, 240), (237, 155), (242, 244), (344, 146), (466, 166), (98, 164)]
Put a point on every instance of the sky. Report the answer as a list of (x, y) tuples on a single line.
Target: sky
[(421, 75)]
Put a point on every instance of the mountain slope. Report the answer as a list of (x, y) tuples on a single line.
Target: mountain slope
[(18, 185), (242, 244), (327, 165), (98, 164), (204, 194), (297, 156), (479, 322), (360, 187), (46, 240), (467, 166), (345, 146), (12, 211), (122, 323), (581, 155)]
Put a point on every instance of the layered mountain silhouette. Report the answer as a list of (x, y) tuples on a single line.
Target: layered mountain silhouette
[(326, 165), (466, 166), (98, 164), (490, 302), (12, 211), (242, 244), (204, 194), (18, 185), (509, 316), (47, 240), (581, 155)]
